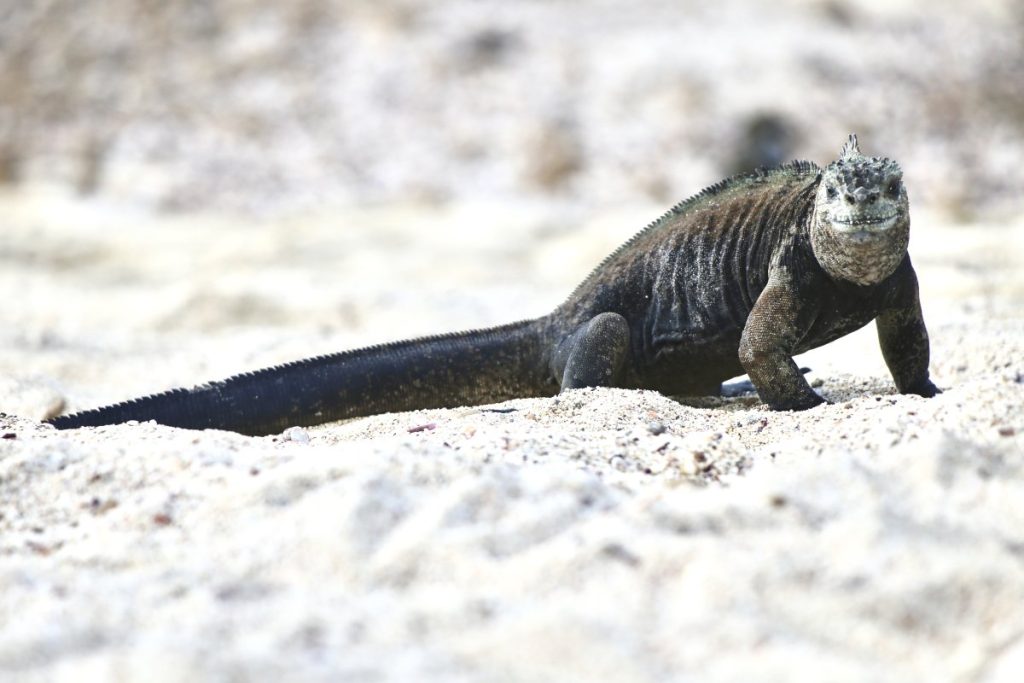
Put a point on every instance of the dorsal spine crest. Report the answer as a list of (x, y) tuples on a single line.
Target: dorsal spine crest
[(851, 148)]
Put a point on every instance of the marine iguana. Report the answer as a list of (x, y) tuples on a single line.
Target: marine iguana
[(738, 278)]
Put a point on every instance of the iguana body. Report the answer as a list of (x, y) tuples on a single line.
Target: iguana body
[(738, 278)]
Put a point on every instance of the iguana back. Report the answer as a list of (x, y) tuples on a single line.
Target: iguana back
[(687, 282)]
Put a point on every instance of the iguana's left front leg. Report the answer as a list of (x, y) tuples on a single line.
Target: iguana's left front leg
[(904, 341), (774, 327)]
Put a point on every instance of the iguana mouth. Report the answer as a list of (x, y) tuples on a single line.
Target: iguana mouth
[(865, 223)]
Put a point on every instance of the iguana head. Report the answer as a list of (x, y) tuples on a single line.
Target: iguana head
[(861, 221)]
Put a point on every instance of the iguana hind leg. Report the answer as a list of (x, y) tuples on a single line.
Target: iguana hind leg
[(594, 354)]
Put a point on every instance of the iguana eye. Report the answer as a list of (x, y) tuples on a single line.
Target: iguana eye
[(831, 192), (894, 188)]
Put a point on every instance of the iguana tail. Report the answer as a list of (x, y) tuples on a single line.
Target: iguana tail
[(468, 368)]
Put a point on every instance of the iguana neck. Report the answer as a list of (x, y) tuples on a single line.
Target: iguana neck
[(864, 261)]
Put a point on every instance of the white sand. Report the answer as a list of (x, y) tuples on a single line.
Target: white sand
[(879, 538)]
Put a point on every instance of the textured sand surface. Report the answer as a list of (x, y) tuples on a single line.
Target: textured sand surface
[(600, 535)]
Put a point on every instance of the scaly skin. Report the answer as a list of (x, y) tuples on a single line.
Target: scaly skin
[(739, 278)]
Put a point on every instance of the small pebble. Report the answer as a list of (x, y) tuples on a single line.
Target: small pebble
[(296, 434), (655, 427)]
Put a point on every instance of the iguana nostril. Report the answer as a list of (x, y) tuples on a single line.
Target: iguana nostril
[(861, 196)]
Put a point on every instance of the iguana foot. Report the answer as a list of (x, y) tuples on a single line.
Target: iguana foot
[(925, 389), (744, 386), (803, 402), (737, 389)]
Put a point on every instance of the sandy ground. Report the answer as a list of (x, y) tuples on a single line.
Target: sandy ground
[(600, 535)]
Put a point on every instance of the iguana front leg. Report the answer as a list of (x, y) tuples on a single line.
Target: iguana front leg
[(904, 340), (773, 329)]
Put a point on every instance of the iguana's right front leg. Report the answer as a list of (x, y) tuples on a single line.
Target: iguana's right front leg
[(772, 331)]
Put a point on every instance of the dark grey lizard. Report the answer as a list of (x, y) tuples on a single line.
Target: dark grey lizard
[(738, 278)]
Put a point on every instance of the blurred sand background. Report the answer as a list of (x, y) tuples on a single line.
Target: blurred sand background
[(189, 190)]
